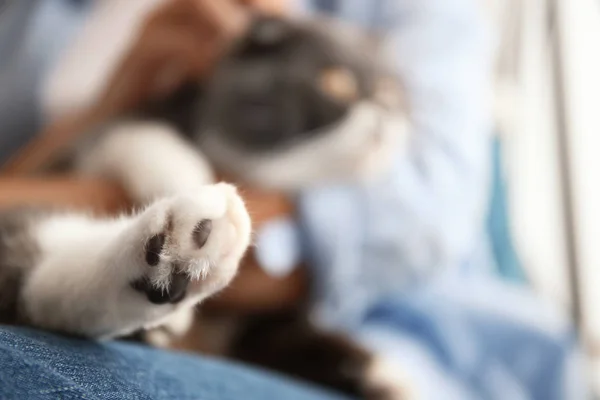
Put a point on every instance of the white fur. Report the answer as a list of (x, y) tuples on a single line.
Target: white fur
[(384, 375), (148, 158), (82, 283), (362, 146), (159, 337), (175, 326)]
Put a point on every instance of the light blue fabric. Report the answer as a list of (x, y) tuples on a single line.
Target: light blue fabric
[(479, 338), (405, 264), (428, 214)]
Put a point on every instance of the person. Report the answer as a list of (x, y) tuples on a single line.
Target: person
[(401, 264)]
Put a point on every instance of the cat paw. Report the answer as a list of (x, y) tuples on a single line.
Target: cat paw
[(192, 244)]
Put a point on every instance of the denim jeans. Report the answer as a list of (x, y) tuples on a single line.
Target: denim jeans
[(37, 365)]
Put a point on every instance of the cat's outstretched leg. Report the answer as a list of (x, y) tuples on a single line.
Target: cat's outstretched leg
[(106, 278)]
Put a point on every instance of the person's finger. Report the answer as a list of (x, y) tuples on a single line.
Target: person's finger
[(272, 7), (225, 18), (226, 15)]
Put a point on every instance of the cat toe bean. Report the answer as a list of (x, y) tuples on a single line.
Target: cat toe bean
[(154, 247)]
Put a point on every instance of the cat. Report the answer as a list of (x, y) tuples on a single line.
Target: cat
[(292, 104)]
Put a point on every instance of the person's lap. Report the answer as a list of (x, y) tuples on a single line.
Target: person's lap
[(39, 365)]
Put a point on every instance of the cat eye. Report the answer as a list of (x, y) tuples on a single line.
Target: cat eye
[(339, 84)]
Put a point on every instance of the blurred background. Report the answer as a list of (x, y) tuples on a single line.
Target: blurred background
[(548, 93), (547, 99)]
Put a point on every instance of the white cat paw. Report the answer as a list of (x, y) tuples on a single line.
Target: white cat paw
[(193, 244)]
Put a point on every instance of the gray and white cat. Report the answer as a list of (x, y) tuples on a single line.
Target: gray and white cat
[(293, 104)]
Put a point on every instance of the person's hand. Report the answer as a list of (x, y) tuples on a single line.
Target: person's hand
[(180, 40)]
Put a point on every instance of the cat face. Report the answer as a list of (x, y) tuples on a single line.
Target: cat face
[(284, 83), (296, 103)]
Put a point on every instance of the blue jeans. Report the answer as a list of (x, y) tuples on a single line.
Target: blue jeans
[(37, 365)]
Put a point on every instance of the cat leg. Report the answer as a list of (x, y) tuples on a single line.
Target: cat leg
[(149, 159), (107, 278)]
